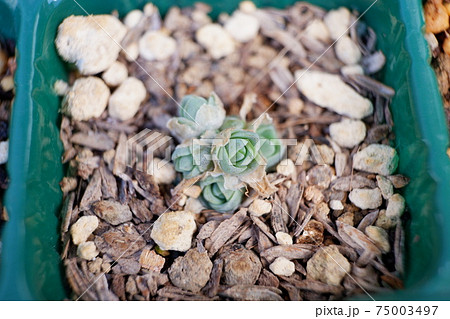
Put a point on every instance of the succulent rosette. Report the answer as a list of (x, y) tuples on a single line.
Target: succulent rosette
[(192, 158), (197, 115), (215, 196), (236, 152), (272, 148)]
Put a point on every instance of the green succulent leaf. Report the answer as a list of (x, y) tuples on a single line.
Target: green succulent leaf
[(183, 128), (272, 149), (215, 196), (232, 121), (239, 153), (192, 158), (207, 114)]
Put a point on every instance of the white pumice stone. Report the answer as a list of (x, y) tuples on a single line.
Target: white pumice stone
[(91, 42), (348, 133), (338, 22), (260, 207), (4, 149), (320, 88), (163, 171), (115, 74), (282, 266), (126, 99), (347, 51), (86, 99), (132, 18), (155, 45), (83, 228), (216, 40), (87, 250), (243, 27)]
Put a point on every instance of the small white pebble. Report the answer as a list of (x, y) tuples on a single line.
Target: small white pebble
[(395, 206), (321, 87), (126, 99), (326, 154), (366, 198), (4, 148), (115, 74), (380, 237), (86, 99), (296, 106), (216, 40), (336, 205), (348, 133), (7, 83), (247, 6), (347, 51), (182, 200), (286, 167), (317, 30), (87, 250), (132, 18), (385, 186), (338, 22), (352, 69), (260, 207), (131, 51), (155, 45), (282, 267), (149, 9), (83, 228), (193, 191), (243, 27), (163, 171), (60, 87), (283, 238), (193, 205)]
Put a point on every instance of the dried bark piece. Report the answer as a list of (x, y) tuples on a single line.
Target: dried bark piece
[(264, 228), (357, 240), (140, 210), (112, 212), (296, 251), (96, 141), (266, 278), (315, 286), (151, 261), (192, 271), (207, 229), (347, 183), (127, 266), (293, 292), (294, 198), (120, 159), (92, 193), (66, 212), (399, 181), (252, 293), (241, 266), (109, 184), (148, 284), (175, 293), (212, 287), (118, 286), (278, 216), (120, 242), (312, 233), (224, 231)]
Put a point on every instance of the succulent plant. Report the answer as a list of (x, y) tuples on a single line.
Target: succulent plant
[(238, 152), (215, 196), (197, 115), (232, 121), (192, 158), (272, 149)]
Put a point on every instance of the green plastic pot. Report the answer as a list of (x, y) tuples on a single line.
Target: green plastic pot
[(30, 267)]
